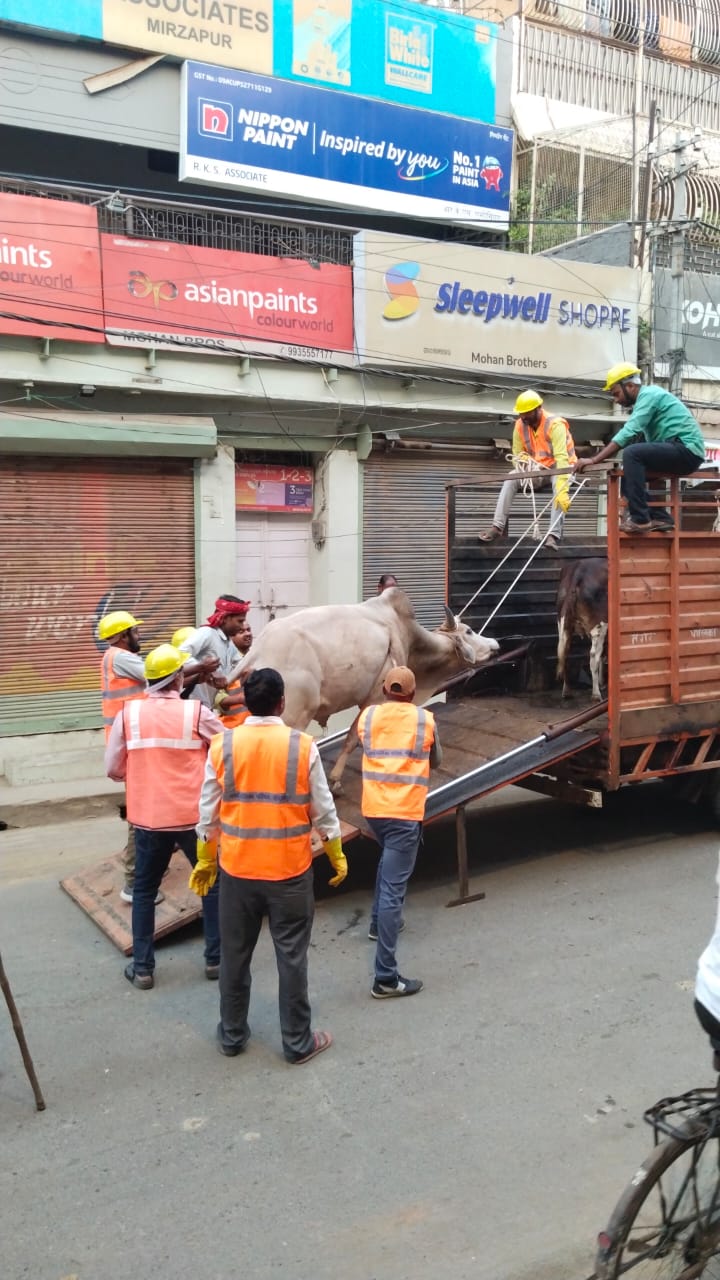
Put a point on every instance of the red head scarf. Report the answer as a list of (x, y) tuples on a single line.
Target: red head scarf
[(227, 609)]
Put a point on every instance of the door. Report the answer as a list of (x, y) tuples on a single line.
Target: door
[(273, 572)]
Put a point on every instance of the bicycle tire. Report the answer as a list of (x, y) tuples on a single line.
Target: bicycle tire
[(689, 1245)]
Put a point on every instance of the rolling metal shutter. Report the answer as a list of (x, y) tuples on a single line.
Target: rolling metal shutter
[(404, 518), (80, 538)]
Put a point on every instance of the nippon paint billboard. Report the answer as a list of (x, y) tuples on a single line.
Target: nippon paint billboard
[(254, 133), (424, 302)]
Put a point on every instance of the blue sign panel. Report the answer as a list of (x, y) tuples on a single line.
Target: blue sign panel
[(73, 17), (404, 53), (259, 134)]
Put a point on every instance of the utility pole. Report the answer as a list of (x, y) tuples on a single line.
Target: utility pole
[(677, 226)]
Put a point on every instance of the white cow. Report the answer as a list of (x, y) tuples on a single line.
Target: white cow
[(333, 657)]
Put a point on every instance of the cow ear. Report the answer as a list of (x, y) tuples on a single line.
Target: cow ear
[(465, 651), (450, 623)]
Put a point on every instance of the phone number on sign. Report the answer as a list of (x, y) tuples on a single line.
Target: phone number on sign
[(306, 353)]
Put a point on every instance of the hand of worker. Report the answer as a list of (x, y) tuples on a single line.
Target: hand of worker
[(209, 664), (581, 464), (204, 873), (338, 861), (218, 682), (562, 501)]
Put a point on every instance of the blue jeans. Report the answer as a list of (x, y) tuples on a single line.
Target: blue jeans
[(154, 850), (399, 841)]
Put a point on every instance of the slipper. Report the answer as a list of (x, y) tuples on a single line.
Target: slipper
[(321, 1040)]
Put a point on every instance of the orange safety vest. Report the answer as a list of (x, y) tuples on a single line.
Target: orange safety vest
[(538, 445), (264, 772), (165, 763), (396, 739), (233, 718), (116, 690)]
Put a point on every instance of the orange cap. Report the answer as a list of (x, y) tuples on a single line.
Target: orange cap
[(400, 680)]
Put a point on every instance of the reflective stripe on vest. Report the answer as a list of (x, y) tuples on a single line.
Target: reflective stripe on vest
[(538, 445), (395, 778), (165, 762), (116, 690), (264, 772)]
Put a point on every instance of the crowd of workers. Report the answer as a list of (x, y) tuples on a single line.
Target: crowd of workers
[(671, 444), (211, 769)]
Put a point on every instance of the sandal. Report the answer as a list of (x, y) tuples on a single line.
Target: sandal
[(321, 1040)]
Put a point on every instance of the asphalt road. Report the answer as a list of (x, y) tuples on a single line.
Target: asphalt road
[(482, 1129)]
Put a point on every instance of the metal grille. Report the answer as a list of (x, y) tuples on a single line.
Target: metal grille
[(682, 29), (217, 228), (404, 518), (122, 537), (594, 73), (564, 192)]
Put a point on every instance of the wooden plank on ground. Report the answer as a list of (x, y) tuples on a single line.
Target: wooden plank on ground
[(96, 890)]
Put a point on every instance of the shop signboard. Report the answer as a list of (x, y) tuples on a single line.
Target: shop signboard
[(216, 301), (404, 53), (423, 302), (234, 35), (254, 133), (699, 323), (50, 284), (274, 488)]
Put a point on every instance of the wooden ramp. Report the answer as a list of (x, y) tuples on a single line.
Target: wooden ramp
[(475, 731), (96, 890)]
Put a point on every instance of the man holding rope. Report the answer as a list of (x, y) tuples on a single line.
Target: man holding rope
[(543, 441)]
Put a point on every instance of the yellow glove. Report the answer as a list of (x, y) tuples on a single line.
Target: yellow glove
[(562, 500), (334, 851), (204, 873), (220, 697)]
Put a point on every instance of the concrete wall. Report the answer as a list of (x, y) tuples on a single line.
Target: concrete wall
[(337, 527), (214, 528)]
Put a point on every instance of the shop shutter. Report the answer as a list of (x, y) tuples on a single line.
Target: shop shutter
[(80, 539), (404, 518)]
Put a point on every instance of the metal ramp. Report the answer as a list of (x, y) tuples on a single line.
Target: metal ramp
[(488, 742)]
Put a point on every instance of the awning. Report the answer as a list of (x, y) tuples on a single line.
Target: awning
[(117, 434)]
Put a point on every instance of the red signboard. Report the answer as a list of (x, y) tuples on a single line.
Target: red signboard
[(274, 488), (50, 283), (178, 295)]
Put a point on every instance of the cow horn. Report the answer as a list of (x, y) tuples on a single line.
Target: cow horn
[(450, 621)]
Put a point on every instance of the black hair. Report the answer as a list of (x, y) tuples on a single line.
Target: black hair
[(236, 599), (263, 690), (383, 580)]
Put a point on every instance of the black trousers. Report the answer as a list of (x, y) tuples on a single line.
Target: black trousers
[(290, 907), (708, 1023), (670, 458)]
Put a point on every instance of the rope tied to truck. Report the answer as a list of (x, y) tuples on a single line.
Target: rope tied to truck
[(526, 463), (579, 485)]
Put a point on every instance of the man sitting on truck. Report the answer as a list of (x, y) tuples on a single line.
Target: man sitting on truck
[(672, 445), (546, 441)]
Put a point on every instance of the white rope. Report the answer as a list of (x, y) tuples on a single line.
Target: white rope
[(507, 555), (524, 462)]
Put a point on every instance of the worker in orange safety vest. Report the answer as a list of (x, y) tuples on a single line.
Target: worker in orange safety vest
[(400, 743), (158, 746), (546, 441), (264, 790)]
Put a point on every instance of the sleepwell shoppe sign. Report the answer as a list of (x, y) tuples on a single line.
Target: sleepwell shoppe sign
[(425, 303)]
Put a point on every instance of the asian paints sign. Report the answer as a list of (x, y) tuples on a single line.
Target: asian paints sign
[(259, 134), (404, 53), (177, 295), (424, 302)]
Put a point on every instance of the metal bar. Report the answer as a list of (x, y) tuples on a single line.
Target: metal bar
[(582, 717), (675, 592), (613, 638), (641, 763), (462, 854)]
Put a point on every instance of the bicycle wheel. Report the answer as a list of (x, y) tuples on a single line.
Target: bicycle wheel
[(666, 1224)]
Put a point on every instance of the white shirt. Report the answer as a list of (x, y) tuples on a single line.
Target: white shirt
[(323, 814), (211, 642), (707, 983), (128, 665)]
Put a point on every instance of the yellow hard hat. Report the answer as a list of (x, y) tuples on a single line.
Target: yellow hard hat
[(527, 401), (113, 624), (181, 635), (619, 373), (164, 661)]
